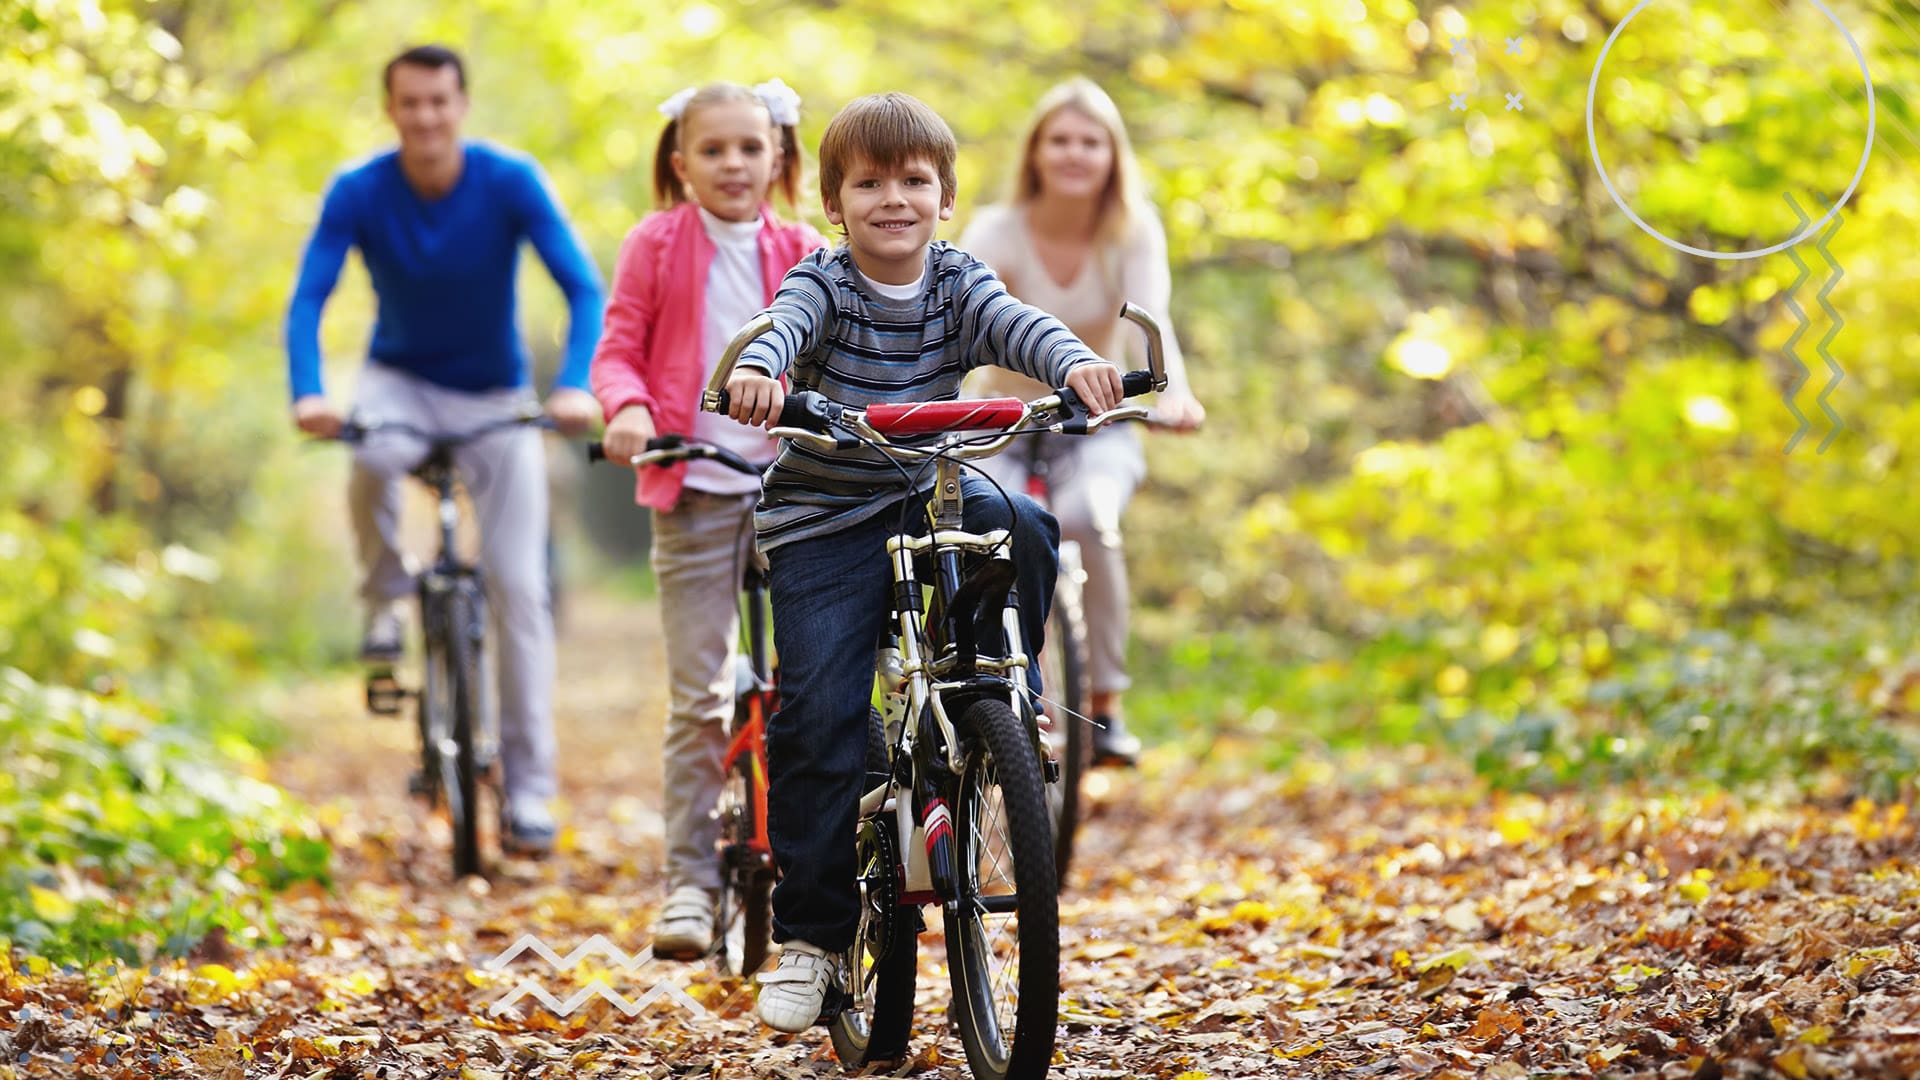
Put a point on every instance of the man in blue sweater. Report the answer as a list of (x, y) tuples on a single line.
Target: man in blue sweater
[(439, 223)]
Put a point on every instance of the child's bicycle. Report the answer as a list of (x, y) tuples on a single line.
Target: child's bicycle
[(459, 736), (745, 916), (961, 820)]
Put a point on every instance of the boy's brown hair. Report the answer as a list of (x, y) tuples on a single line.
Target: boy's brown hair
[(886, 131)]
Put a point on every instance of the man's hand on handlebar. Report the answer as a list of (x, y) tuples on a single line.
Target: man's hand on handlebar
[(316, 416), (627, 436), (753, 398), (1098, 386)]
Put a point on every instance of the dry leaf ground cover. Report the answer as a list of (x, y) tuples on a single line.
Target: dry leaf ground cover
[(1376, 916)]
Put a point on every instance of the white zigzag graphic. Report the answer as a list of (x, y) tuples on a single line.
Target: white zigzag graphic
[(597, 945), (599, 989)]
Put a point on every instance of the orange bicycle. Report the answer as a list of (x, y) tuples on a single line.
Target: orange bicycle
[(745, 913)]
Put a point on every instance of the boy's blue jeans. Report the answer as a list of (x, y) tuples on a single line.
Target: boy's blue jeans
[(831, 599)]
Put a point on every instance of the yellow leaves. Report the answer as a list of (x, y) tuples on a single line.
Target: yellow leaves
[(51, 906), (1818, 1035), (1694, 889), (215, 982), (1295, 1053), (1455, 960), (359, 984), (1866, 960), (1191, 1074), (1793, 1063), (1452, 681)]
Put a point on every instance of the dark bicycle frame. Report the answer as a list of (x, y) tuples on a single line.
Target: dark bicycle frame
[(746, 859), (459, 741)]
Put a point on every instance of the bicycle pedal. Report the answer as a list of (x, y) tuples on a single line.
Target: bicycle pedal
[(1050, 770), (385, 695), (831, 1006)]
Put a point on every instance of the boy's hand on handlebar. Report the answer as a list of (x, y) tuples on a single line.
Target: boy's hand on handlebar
[(755, 399), (1098, 386), (316, 416), (628, 435)]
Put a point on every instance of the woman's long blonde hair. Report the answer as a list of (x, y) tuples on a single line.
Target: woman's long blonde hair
[(1122, 201)]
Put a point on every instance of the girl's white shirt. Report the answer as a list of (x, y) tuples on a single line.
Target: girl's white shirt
[(735, 294)]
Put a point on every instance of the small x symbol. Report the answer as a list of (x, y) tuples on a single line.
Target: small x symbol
[(1513, 103), (1459, 46), (1458, 103), (1513, 46)]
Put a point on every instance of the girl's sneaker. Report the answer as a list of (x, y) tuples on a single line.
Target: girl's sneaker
[(792, 995), (685, 929)]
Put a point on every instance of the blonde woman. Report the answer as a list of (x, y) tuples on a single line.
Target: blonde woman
[(1077, 239)]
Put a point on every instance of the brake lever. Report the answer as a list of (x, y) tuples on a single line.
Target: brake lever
[(1072, 414)]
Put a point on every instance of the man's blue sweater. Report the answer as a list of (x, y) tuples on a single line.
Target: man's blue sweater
[(443, 271)]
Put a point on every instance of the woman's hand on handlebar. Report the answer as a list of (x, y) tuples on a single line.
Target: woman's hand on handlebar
[(1180, 412), (754, 399), (1098, 386), (627, 436)]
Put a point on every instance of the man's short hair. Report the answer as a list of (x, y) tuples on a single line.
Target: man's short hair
[(887, 131), (427, 56)]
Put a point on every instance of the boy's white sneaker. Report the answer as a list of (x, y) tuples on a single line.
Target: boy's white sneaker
[(792, 994), (685, 928)]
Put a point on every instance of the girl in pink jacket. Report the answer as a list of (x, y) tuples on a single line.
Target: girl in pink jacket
[(689, 276)]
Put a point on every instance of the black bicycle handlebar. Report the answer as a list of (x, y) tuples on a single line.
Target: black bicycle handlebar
[(675, 448), (355, 430)]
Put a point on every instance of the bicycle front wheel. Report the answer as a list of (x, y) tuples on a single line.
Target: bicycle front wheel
[(1003, 927)]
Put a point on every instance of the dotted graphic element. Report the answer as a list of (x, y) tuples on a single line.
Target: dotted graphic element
[(1513, 103), (1456, 103), (1458, 46), (1593, 146), (1513, 45)]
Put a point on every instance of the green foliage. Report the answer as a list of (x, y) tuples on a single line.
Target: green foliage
[(123, 833)]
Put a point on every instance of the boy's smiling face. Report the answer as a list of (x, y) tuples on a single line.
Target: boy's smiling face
[(890, 216)]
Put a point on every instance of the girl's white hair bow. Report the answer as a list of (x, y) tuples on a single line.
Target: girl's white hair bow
[(781, 100), (673, 107)]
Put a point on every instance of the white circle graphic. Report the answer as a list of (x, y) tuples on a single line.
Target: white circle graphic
[(1593, 146)]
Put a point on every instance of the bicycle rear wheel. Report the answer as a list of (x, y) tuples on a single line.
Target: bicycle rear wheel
[(459, 754), (1004, 926), (1063, 666), (875, 1020)]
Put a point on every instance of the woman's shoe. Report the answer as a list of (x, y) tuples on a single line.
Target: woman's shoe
[(1113, 744)]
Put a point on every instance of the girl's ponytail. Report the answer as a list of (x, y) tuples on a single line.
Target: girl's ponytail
[(788, 181), (667, 192)]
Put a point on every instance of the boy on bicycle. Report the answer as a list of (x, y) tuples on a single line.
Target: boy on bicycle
[(891, 316)]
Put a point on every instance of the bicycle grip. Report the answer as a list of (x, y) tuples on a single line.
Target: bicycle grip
[(598, 451), (1135, 383)]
